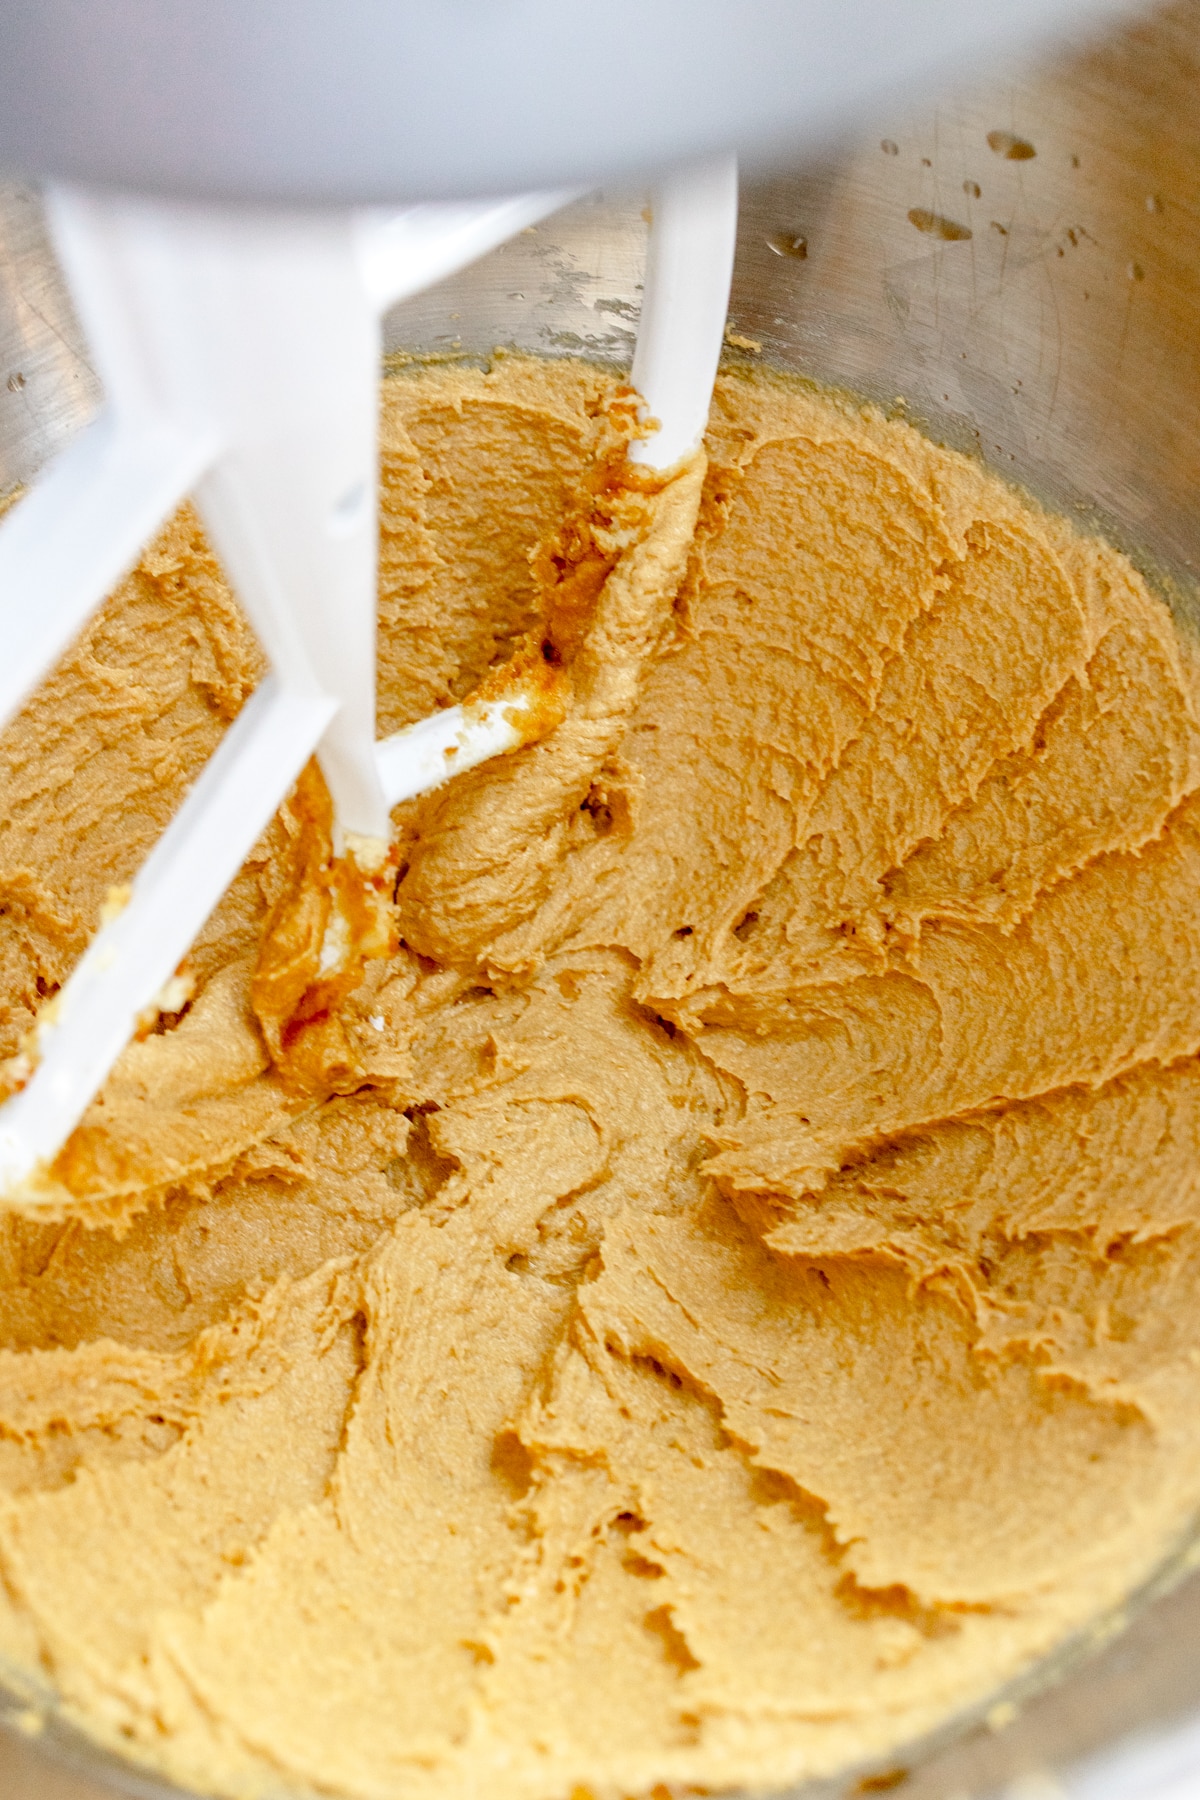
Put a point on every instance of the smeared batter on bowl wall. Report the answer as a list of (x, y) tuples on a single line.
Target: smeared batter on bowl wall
[(723, 1293)]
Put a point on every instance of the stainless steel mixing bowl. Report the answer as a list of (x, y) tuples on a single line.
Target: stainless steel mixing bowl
[(1016, 269)]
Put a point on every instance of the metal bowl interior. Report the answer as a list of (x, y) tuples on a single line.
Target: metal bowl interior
[(1016, 270)]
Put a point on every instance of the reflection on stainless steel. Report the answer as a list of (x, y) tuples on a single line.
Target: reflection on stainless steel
[(47, 389), (1018, 272)]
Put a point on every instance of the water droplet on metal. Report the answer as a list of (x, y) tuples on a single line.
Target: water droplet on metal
[(789, 243), (1153, 203), (973, 189), (888, 148), (1135, 272), (938, 225), (1006, 143)]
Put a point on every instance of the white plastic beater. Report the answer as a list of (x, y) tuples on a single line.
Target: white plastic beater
[(240, 355)]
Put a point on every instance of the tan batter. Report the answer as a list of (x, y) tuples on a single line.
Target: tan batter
[(725, 1291)]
